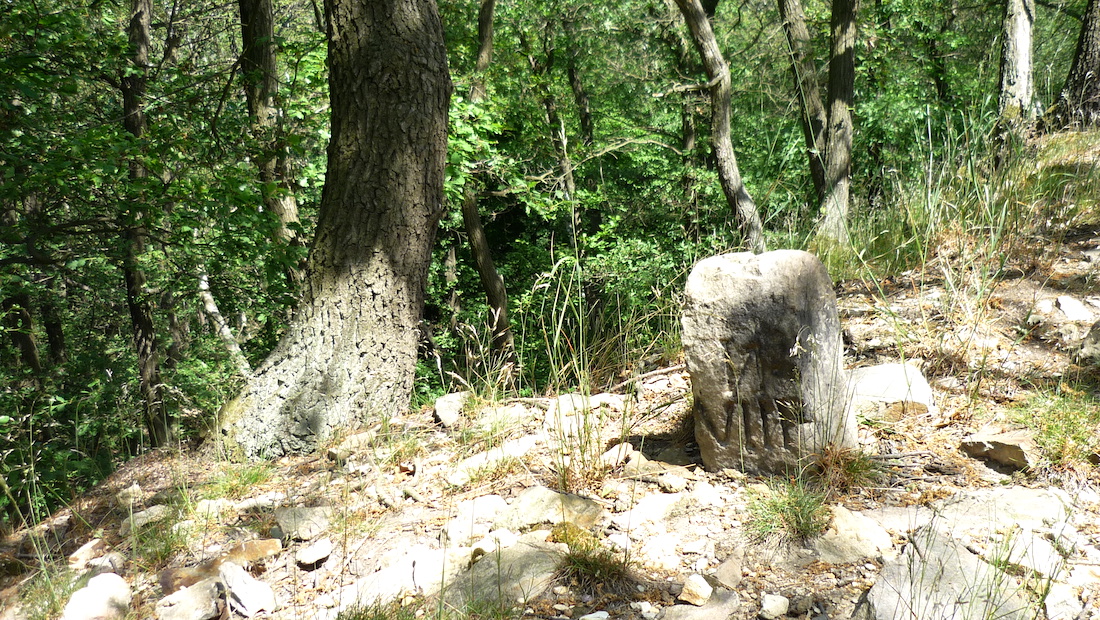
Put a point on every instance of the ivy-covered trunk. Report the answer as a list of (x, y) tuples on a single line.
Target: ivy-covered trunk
[(349, 355)]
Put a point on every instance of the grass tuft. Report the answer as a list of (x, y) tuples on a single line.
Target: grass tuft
[(590, 567), (790, 510)]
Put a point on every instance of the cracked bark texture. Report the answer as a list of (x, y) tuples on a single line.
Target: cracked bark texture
[(349, 354)]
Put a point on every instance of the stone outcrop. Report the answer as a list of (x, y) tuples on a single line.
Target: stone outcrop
[(762, 341)]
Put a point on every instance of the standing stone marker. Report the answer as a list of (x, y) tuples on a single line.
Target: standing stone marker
[(762, 340)]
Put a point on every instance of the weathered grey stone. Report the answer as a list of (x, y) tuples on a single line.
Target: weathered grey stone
[(937, 578), (773, 606), (201, 601), (106, 597), (696, 590), (90, 550), (247, 595), (140, 519), (539, 504), (448, 408), (1074, 309), (513, 575), (762, 342), (300, 523), (473, 517), (1015, 448), (880, 392), (720, 606), (851, 537), (314, 554), (461, 473), (728, 572)]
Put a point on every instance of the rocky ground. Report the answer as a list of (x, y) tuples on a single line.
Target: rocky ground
[(470, 495)]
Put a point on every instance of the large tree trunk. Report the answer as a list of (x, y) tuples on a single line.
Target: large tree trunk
[(814, 119), (720, 101), (350, 353), (261, 85), (1015, 103), (838, 150), (161, 425), (491, 282), (1078, 104)]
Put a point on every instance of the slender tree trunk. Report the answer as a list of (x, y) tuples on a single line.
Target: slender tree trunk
[(349, 355), (1016, 100), (1078, 104), (261, 86), (162, 429), (496, 294), (580, 95), (838, 150), (720, 100), (813, 117), (221, 326), (20, 327)]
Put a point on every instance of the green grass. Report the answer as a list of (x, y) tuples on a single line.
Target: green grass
[(236, 481), (1066, 422), (791, 510), (841, 470)]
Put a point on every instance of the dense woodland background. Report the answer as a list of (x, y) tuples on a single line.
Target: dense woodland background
[(147, 270)]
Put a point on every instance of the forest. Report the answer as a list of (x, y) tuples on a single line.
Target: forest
[(163, 170)]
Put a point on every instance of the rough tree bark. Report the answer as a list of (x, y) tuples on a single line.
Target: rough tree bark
[(261, 86), (813, 116), (491, 282), (349, 355), (161, 424), (1015, 103), (1078, 104), (838, 148), (718, 73)]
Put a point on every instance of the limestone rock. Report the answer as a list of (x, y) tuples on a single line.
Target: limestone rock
[(516, 574), (473, 517), (696, 590), (300, 523), (461, 473), (200, 601), (79, 559), (728, 572), (314, 554), (722, 604), (539, 504), (852, 537), (762, 342), (247, 595), (1074, 309), (1015, 449), (890, 391), (351, 445), (106, 597), (935, 578), (140, 519), (774, 606), (448, 408)]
